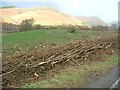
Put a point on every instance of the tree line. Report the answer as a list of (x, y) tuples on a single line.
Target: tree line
[(27, 25)]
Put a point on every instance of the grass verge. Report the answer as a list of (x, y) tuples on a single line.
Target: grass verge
[(75, 76)]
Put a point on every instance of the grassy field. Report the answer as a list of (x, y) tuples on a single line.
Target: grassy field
[(34, 38), (71, 76)]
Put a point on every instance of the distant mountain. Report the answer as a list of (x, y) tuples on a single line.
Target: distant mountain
[(41, 15), (4, 7), (114, 24), (92, 21)]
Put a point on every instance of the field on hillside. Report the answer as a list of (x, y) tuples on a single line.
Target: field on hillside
[(44, 38), (43, 58)]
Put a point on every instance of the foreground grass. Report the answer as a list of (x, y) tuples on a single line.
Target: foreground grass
[(75, 76)]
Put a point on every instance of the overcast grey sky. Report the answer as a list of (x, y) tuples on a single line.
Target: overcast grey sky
[(107, 10)]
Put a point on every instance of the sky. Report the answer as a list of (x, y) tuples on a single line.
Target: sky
[(107, 10)]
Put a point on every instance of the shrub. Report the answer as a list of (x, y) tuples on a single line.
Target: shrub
[(71, 30), (26, 25), (9, 27), (102, 28), (36, 27)]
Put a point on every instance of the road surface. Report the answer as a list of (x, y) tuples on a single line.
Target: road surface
[(110, 80)]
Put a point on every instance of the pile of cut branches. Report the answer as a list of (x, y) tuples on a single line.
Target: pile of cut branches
[(24, 65)]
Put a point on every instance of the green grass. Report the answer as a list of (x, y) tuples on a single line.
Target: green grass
[(74, 76), (70, 77), (41, 36), (35, 38), (103, 67)]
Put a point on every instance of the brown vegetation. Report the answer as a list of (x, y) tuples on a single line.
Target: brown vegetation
[(21, 67)]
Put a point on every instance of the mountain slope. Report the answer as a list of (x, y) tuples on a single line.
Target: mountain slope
[(92, 21), (7, 20), (43, 16)]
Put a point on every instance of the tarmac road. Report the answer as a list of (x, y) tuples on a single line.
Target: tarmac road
[(110, 80)]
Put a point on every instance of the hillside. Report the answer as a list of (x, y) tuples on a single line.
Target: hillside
[(8, 7), (10, 11), (92, 21), (41, 15), (7, 20)]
